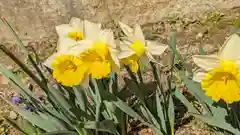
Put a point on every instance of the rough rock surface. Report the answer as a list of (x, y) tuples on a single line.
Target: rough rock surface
[(35, 19)]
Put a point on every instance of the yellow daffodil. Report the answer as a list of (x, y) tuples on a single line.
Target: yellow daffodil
[(101, 55), (68, 70), (69, 57), (221, 79), (71, 34), (135, 48)]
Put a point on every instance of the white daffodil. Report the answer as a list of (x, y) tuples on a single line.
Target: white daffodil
[(136, 48), (76, 30), (221, 79), (94, 56), (71, 34)]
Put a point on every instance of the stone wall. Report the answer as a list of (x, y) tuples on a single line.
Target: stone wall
[(35, 19)]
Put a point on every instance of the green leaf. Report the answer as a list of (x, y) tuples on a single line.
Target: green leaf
[(63, 102), (61, 133), (173, 46), (18, 41), (182, 98), (15, 125), (35, 119), (195, 89), (104, 126), (27, 126), (145, 114), (134, 86), (110, 109), (25, 68), (201, 51), (174, 42), (171, 114), (217, 122), (80, 114), (81, 97), (16, 81), (150, 117), (120, 104), (160, 112), (54, 112), (53, 120)]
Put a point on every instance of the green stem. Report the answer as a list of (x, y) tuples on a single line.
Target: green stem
[(98, 107), (123, 124), (98, 86), (81, 131)]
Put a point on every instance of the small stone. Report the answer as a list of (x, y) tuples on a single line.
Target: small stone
[(13, 115), (199, 35), (3, 80)]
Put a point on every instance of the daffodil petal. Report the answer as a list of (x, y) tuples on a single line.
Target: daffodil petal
[(134, 67), (128, 31), (85, 81), (124, 45), (198, 76), (48, 62), (237, 61), (155, 48), (138, 34), (100, 69), (116, 63), (65, 43), (125, 54), (231, 47), (80, 47), (77, 23), (206, 62), (63, 29), (91, 30), (107, 37)]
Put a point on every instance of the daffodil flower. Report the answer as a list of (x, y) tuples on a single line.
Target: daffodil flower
[(68, 68), (71, 34), (76, 30), (135, 48), (100, 56), (94, 56), (221, 79)]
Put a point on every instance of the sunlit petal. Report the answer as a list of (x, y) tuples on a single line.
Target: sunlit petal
[(198, 76), (125, 54), (206, 62), (63, 29), (116, 63), (48, 62), (107, 37), (64, 43), (91, 30), (80, 47), (138, 34), (77, 23), (128, 31), (85, 81), (237, 61), (156, 48), (231, 47)]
